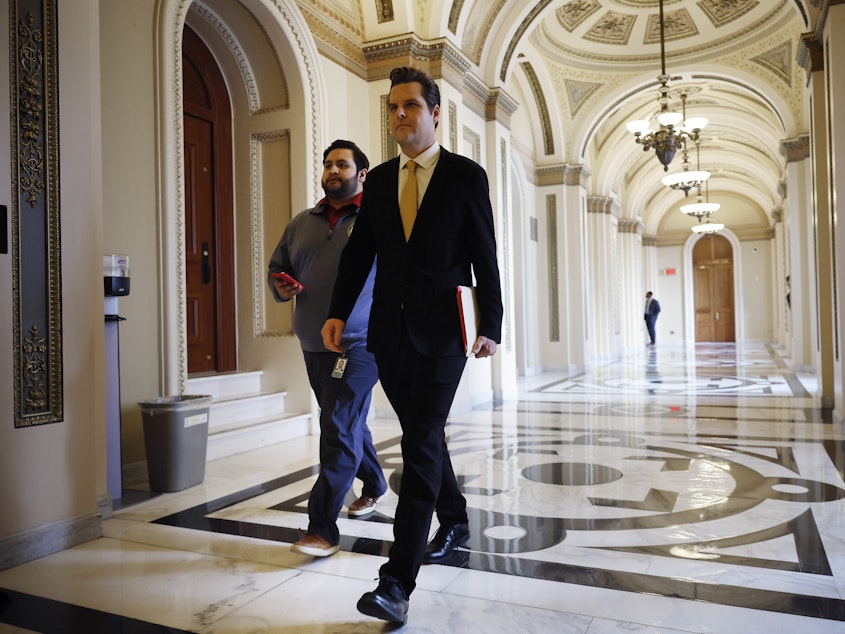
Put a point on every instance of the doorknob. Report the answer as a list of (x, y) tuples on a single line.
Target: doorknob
[(206, 267), (717, 316)]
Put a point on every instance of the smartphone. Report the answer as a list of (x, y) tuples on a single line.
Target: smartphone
[(288, 279)]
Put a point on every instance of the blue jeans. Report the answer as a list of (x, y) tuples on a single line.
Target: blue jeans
[(346, 445)]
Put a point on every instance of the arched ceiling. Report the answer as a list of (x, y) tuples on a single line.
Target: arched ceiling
[(608, 33), (582, 68), (595, 63)]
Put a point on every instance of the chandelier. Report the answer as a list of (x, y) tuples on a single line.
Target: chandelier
[(670, 136)]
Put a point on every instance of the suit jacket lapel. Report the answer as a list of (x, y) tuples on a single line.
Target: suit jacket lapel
[(436, 186)]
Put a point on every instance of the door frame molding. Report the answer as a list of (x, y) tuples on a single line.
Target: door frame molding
[(170, 20), (689, 291)]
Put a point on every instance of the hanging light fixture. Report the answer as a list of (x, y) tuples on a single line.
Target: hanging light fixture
[(687, 179), (702, 210), (669, 137), (707, 227)]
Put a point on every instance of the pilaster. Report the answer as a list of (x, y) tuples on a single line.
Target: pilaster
[(630, 263), (823, 239), (603, 274), (801, 263), (834, 54)]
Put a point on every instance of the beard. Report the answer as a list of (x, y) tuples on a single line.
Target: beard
[(339, 188)]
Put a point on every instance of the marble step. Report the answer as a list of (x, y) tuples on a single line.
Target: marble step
[(224, 441), (226, 386), (239, 410), (242, 417)]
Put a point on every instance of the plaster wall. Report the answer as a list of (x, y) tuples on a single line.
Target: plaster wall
[(53, 475)]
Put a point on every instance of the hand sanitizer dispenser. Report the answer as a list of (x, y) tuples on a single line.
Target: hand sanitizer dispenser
[(116, 274)]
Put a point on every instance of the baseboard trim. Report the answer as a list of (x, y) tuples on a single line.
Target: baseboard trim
[(48, 539)]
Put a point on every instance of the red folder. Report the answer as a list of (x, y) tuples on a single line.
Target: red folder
[(468, 312)]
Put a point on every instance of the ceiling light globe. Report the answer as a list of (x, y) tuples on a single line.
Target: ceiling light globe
[(696, 123), (685, 179), (708, 227), (639, 126), (669, 118), (700, 209)]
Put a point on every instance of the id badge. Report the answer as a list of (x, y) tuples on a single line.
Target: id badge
[(339, 366)]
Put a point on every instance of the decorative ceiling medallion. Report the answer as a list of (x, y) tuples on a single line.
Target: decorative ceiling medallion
[(612, 28), (578, 92), (722, 12), (778, 60), (677, 25), (574, 13)]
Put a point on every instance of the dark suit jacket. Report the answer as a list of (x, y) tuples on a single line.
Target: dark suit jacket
[(653, 309), (417, 280)]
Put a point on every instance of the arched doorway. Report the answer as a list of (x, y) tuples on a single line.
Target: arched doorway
[(713, 289), (264, 110), (209, 216)]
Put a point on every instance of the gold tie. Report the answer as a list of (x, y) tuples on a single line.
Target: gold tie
[(408, 201)]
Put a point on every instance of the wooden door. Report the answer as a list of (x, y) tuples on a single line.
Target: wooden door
[(209, 216), (705, 327), (713, 289), (724, 301)]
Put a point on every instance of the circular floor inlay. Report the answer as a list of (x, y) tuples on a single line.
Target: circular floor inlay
[(571, 473), (505, 532)]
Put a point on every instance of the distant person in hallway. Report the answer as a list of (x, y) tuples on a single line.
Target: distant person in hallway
[(309, 251), (426, 241), (652, 310)]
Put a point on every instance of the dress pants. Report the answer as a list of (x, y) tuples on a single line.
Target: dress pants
[(346, 445), (421, 390), (649, 324)]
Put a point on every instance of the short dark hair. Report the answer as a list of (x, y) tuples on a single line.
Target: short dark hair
[(406, 75), (361, 160)]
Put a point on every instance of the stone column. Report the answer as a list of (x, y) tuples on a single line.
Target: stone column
[(834, 56), (800, 254), (630, 275), (562, 198), (603, 274), (813, 54), (782, 321), (499, 108)]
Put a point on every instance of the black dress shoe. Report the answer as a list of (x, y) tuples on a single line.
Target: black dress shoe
[(387, 602), (446, 539)]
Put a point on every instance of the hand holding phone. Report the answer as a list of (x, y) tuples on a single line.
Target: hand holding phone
[(288, 279)]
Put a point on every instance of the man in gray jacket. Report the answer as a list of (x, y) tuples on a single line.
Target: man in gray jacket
[(309, 252)]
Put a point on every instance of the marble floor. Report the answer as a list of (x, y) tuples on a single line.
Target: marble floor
[(680, 489)]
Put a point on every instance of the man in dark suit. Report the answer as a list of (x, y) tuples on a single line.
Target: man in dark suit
[(652, 310), (422, 255)]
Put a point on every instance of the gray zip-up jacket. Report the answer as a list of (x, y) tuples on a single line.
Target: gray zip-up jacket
[(310, 252)]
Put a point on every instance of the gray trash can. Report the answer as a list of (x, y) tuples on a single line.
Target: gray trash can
[(176, 439)]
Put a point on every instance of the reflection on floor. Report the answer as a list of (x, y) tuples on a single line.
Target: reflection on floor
[(677, 490)]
